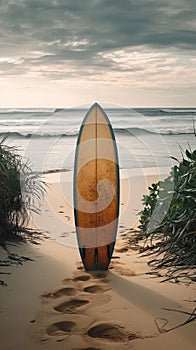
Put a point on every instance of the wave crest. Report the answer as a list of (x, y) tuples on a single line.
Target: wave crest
[(74, 133)]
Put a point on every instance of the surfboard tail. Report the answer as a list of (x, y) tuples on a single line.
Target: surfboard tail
[(97, 258)]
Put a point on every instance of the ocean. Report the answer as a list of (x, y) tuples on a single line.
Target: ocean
[(146, 137)]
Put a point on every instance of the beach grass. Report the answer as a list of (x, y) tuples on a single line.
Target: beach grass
[(20, 189)]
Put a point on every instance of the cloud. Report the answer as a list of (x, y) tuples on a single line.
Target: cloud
[(62, 39)]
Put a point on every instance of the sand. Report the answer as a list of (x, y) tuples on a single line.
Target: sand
[(52, 303)]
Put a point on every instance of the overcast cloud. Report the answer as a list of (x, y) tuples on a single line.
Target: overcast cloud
[(123, 42)]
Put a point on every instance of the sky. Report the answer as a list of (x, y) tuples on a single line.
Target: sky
[(137, 53)]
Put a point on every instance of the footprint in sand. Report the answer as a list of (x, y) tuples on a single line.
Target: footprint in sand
[(81, 278), (64, 234), (93, 289), (111, 332), (70, 306), (101, 276), (60, 328), (89, 283), (98, 274), (60, 292), (105, 280)]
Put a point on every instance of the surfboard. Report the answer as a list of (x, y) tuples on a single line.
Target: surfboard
[(96, 190)]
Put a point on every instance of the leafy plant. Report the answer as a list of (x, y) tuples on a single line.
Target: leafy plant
[(20, 188), (168, 219)]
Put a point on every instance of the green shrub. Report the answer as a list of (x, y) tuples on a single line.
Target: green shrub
[(19, 190), (168, 218)]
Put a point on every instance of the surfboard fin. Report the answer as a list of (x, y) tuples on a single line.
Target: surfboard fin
[(83, 252), (96, 256), (109, 251)]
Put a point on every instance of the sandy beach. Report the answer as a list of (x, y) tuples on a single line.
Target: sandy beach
[(52, 303)]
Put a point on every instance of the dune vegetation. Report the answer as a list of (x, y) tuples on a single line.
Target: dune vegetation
[(168, 220), (20, 190)]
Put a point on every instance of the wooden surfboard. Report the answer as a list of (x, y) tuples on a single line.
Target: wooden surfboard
[(96, 190)]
